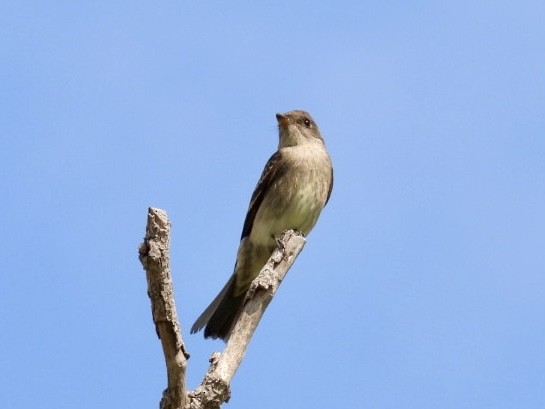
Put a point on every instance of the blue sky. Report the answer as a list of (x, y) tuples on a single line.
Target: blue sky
[(423, 283)]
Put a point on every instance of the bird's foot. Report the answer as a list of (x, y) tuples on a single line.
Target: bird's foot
[(288, 233), (280, 244)]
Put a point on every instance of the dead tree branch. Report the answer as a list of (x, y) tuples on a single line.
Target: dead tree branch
[(155, 257), (214, 389)]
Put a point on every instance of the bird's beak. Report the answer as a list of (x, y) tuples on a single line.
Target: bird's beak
[(283, 120)]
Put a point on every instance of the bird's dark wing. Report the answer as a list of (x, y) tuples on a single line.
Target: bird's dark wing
[(274, 169), (330, 187)]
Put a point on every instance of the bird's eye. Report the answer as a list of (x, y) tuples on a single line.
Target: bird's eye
[(307, 122)]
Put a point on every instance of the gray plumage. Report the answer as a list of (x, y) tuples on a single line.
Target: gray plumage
[(292, 191)]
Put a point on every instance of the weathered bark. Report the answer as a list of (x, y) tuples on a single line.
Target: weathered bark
[(214, 389), (155, 257)]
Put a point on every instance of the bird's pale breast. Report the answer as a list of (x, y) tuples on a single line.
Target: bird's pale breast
[(296, 199)]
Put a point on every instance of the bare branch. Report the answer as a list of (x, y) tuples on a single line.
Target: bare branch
[(155, 258), (214, 389)]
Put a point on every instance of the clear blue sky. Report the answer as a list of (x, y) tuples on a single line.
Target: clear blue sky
[(423, 284)]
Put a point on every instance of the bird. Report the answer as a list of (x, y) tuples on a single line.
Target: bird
[(294, 187)]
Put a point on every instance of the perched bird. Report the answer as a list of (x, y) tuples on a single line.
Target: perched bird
[(292, 191)]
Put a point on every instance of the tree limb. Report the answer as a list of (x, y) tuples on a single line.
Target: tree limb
[(155, 257), (214, 389)]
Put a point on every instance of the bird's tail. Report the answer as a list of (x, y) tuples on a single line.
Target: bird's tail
[(221, 314)]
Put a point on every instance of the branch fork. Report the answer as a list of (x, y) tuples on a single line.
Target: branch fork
[(154, 254)]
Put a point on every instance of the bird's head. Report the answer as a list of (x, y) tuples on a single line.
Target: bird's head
[(297, 128)]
